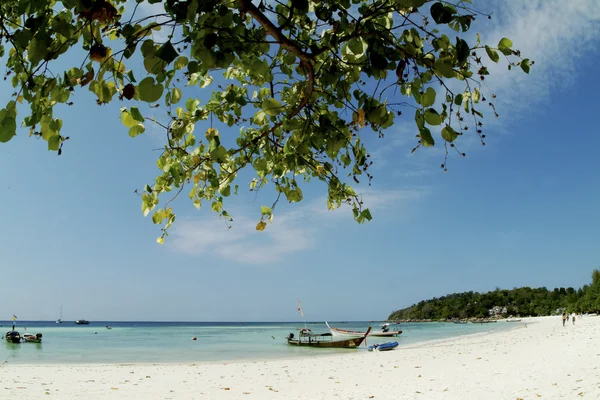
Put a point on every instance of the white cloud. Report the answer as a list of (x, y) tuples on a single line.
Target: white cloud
[(556, 34), (291, 232)]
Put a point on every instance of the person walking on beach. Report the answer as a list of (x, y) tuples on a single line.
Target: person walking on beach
[(564, 317), (573, 318)]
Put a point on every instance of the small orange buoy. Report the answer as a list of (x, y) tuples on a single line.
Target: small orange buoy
[(194, 338)]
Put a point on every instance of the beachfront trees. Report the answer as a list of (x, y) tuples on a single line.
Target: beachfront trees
[(288, 89), (522, 301)]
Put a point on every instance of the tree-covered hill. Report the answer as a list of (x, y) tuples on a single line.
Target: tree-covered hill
[(522, 301)]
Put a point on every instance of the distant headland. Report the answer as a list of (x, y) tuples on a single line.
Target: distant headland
[(502, 303)]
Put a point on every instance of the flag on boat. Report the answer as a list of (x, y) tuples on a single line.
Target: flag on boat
[(300, 308), (14, 317)]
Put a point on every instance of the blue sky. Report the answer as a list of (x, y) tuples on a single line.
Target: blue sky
[(521, 211)]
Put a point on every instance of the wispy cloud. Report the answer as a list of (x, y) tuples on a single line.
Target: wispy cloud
[(556, 34), (291, 232)]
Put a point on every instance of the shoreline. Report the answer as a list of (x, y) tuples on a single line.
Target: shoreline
[(543, 360), (309, 354)]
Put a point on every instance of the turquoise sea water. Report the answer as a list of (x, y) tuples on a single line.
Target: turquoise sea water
[(170, 342)]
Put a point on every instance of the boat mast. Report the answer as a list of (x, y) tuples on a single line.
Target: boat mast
[(301, 313)]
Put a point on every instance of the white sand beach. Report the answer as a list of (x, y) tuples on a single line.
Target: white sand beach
[(543, 360)]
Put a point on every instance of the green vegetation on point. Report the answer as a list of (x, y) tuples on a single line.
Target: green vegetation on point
[(524, 301)]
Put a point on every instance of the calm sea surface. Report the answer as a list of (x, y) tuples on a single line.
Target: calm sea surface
[(170, 342)]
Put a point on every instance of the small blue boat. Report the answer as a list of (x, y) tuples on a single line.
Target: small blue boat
[(384, 346)]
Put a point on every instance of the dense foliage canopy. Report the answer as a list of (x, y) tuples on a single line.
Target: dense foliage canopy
[(300, 80), (523, 301)]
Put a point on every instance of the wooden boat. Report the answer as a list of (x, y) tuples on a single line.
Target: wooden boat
[(31, 338), (325, 340), (13, 337), (513, 320), (384, 332), (460, 322)]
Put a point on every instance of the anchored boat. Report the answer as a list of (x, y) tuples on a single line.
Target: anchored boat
[(31, 338), (307, 338), (384, 332), (12, 337)]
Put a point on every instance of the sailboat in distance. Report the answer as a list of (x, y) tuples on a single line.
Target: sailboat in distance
[(59, 321)]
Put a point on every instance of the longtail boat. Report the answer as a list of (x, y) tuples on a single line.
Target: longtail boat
[(13, 337), (384, 332), (307, 338), (31, 338)]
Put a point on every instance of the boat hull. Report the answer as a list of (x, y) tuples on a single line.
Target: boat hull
[(346, 333), (350, 343), (13, 337), (32, 338), (386, 334)]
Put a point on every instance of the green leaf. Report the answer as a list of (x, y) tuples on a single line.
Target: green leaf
[(127, 119), (366, 214), (492, 54), (167, 52), (449, 134), (54, 142), (458, 99), (218, 154), (207, 56), (444, 67), (505, 46), (154, 65), (432, 117), (226, 191), (426, 138), (38, 48), (428, 98), (136, 130), (136, 114), (175, 95), (8, 123), (214, 143), (476, 95), (505, 42), (217, 206), (149, 91), (462, 51), (181, 62), (357, 46), (525, 65), (441, 14), (265, 210), (260, 165), (271, 106)]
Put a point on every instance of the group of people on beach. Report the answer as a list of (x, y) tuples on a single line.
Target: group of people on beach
[(565, 317)]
